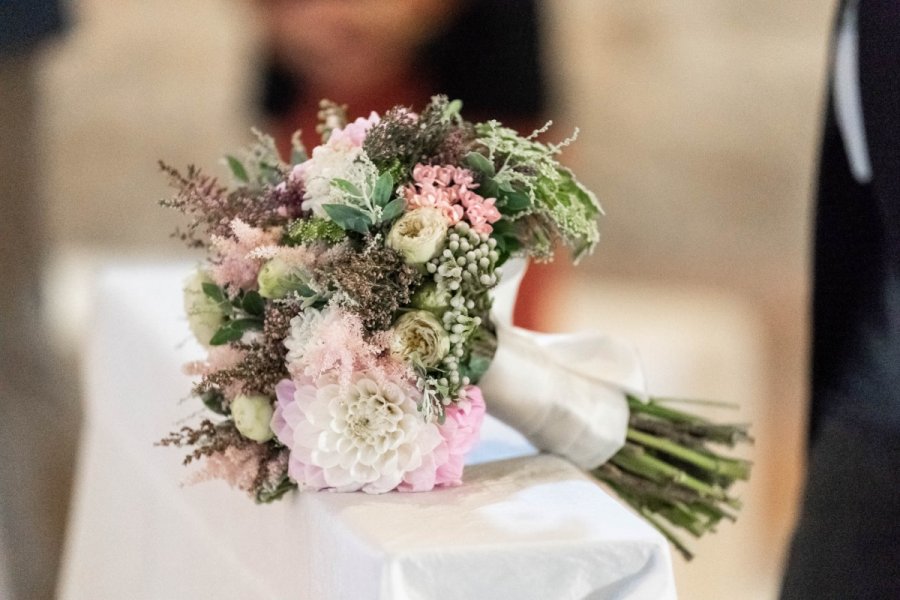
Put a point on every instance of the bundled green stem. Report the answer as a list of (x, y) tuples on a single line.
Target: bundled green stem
[(668, 473)]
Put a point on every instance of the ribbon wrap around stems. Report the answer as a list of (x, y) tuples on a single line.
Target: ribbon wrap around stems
[(566, 393)]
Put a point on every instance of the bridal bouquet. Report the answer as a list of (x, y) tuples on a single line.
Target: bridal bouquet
[(349, 310)]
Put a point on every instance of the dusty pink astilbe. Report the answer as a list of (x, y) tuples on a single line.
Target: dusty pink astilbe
[(218, 358), (237, 465), (302, 257), (236, 264), (335, 340), (449, 189)]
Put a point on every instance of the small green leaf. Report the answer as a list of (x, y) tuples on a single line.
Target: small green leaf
[(237, 169), (232, 331), (348, 217), (212, 400), (384, 189), (393, 210), (477, 367), (489, 188), (452, 110), (480, 163), (269, 173), (224, 335), (515, 202), (214, 292), (305, 291), (347, 187), (246, 324), (253, 303), (507, 241)]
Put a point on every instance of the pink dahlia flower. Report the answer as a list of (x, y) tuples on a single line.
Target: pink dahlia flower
[(461, 431)]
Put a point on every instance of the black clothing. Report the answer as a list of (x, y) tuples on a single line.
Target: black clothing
[(847, 543)]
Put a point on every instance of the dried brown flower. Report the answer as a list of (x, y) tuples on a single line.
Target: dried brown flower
[(374, 282)]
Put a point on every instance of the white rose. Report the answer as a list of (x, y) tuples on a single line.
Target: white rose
[(419, 235), (252, 416), (420, 337), (277, 279), (204, 314)]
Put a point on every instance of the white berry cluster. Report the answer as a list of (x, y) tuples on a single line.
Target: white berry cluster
[(465, 270)]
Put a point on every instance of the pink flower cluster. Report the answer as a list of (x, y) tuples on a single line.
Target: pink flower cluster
[(449, 189), (353, 134)]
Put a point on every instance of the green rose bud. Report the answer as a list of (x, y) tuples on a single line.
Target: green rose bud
[(204, 314), (252, 416), (429, 298), (418, 235), (419, 337), (277, 279)]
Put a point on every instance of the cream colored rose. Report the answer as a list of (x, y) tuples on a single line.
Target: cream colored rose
[(419, 337), (252, 415), (277, 279), (204, 314), (419, 235)]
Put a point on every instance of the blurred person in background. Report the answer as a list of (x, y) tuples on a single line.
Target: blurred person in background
[(375, 54), (36, 412), (847, 542)]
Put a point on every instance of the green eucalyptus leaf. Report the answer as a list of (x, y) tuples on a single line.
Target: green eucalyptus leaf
[(253, 303), (393, 210), (480, 163), (237, 169), (348, 217), (384, 189), (347, 187)]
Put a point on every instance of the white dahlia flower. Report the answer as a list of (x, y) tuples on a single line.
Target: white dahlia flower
[(365, 436)]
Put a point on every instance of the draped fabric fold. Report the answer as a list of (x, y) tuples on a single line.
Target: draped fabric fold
[(566, 393)]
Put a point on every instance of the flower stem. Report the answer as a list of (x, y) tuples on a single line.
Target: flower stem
[(732, 468)]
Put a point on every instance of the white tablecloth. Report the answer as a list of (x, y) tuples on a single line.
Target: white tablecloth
[(521, 527)]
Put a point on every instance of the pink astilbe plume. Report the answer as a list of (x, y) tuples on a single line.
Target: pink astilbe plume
[(237, 465), (335, 340), (449, 189), (217, 359), (236, 265), (301, 257)]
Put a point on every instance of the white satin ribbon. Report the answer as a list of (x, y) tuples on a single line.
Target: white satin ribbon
[(564, 392)]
